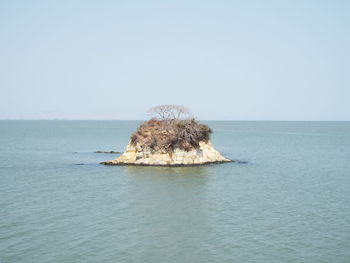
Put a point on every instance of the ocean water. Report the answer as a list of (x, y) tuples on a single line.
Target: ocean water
[(286, 199)]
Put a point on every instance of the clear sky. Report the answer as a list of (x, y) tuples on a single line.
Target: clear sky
[(225, 60)]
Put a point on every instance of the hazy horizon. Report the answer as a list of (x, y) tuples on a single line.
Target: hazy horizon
[(225, 60), (58, 119)]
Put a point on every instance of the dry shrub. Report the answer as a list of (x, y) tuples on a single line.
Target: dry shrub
[(166, 135)]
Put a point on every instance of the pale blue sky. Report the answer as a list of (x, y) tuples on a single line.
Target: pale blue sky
[(231, 60)]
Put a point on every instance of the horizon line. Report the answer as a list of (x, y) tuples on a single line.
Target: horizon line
[(281, 120)]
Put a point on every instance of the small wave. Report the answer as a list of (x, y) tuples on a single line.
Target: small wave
[(4, 167), (241, 162)]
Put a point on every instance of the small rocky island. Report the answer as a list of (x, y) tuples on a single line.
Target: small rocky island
[(170, 140)]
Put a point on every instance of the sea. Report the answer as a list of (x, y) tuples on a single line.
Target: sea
[(286, 198)]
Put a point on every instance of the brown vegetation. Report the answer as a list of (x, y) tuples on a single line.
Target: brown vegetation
[(167, 134)]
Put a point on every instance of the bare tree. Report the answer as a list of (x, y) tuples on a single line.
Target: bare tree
[(180, 110), (168, 112)]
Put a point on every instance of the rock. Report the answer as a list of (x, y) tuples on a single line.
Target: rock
[(204, 154)]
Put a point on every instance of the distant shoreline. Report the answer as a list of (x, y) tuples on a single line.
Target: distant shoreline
[(201, 119)]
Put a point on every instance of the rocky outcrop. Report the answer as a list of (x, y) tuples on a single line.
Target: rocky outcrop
[(135, 155)]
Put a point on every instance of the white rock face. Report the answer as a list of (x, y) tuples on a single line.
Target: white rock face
[(133, 155)]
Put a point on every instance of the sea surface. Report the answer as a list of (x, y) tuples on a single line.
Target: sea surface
[(285, 199)]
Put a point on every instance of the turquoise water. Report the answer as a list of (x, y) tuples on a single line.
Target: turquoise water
[(287, 200)]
